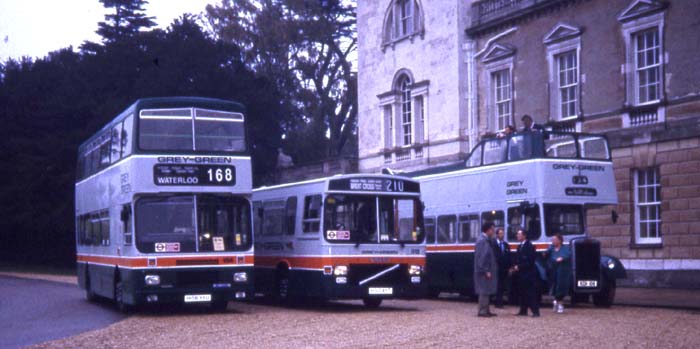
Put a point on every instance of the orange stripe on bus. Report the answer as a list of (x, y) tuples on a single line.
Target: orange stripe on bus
[(167, 261), (470, 248), (320, 262)]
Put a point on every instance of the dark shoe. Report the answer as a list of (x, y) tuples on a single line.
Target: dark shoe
[(521, 314), (484, 315), (535, 315), (499, 307), (491, 314)]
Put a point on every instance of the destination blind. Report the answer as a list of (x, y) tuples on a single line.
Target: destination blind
[(374, 185), (180, 174)]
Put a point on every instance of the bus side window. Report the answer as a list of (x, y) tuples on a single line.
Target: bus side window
[(116, 152), (468, 227), (273, 217), (446, 229), (127, 132), (495, 217), (290, 215), (126, 223), (430, 229), (312, 214), (257, 218), (104, 150), (104, 228)]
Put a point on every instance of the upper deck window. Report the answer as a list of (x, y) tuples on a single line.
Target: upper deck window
[(189, 129)]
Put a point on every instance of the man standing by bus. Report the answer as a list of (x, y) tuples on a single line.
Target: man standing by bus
[(503, 256), (526, 274), (485, 269)]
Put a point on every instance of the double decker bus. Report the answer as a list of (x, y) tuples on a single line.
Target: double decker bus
[(162, 205), (543, 182), (341, 237)]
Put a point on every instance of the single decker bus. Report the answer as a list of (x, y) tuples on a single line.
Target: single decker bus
[(342, 237)]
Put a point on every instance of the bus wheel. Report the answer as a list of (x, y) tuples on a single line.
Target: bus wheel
[(89, 293), (119, 298), (372, 303), (606, 296)]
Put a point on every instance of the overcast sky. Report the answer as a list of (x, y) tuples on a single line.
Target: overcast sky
[(36, 27)]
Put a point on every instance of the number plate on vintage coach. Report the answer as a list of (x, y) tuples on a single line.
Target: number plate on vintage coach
[(587, 283), (191, 298), (380, 290)]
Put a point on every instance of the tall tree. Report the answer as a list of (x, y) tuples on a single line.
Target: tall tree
[(306, 47), (126, 20)]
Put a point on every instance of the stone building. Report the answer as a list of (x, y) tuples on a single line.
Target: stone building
[(624, 68), (411, 95)]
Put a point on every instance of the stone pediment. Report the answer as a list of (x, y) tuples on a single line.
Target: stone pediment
[(561, 32), (640, 8), (498, 51)]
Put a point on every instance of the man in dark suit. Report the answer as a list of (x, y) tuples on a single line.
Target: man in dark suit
[(504, 263), (529, 125), (526, 273)]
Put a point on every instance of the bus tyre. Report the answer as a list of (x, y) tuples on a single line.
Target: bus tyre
[(606, 296), (119, 298), (372, 303)]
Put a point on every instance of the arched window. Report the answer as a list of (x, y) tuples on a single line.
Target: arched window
[(403, 19), (406, 110)]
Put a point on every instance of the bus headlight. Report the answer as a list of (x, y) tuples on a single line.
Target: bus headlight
[(415, 270), (611, 264), (340, 270), (240, 277), (152, 280)]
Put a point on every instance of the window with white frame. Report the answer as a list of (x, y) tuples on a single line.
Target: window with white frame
[(406, 111), (647, 203), (567, 68), (501, 98), (388, 127), (647, 49), (403, 19)]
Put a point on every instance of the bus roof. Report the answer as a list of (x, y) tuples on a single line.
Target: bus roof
[(167, 102)]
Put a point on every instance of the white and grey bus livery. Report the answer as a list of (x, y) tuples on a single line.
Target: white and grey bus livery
[(340, 237), (543, 182), (162, 205)]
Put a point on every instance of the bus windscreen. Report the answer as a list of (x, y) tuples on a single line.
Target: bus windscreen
[(372, 219), (167, 224)]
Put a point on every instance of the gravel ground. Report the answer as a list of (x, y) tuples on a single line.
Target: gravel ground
[(448, 322)]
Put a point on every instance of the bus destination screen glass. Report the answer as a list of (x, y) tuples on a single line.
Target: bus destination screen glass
[(167, 224), (191, 129), (370, 219)]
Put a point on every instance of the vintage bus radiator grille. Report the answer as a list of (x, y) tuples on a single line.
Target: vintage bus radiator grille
[(359, 272), (587, 259), (197, 278)]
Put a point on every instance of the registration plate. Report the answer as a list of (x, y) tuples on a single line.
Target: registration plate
[(587, 283), (192, 298), (381, 290)]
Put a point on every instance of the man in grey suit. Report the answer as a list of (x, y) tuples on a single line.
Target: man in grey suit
[(485, 269)]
